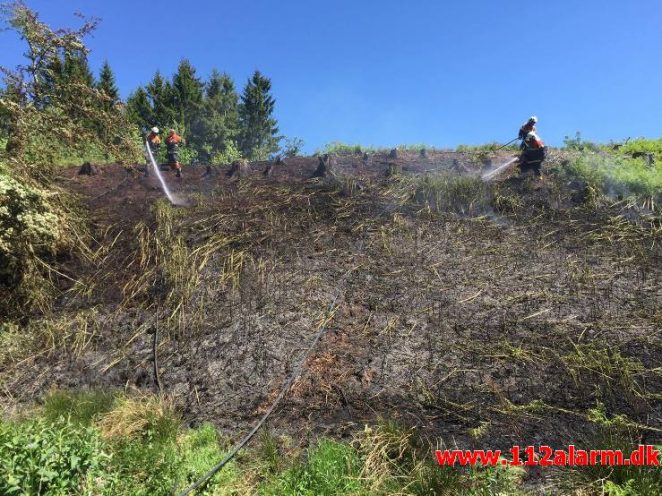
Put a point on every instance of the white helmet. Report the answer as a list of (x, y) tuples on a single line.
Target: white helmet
[(533, 118), (155, 130), (531, 136)]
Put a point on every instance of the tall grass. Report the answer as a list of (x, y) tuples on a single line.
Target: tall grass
[(462, 194), (616, 176)]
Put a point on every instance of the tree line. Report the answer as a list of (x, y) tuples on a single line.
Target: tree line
[(218, 124)]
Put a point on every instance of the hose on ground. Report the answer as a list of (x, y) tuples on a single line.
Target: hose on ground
[(202, 481)]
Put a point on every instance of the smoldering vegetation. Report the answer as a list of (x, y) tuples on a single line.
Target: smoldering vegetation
[(477, 313)]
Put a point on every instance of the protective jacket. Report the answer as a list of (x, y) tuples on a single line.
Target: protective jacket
[(528, 127), (172, 145), (154, 141), (533, 148)]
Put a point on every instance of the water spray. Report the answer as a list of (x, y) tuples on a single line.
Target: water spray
[(164, 186), (489, 175)]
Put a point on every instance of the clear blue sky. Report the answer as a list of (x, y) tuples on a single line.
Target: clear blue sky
[(386, 72)]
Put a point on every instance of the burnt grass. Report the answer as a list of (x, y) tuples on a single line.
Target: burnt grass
[(508, 319)]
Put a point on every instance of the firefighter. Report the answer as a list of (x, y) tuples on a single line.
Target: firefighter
[(533, 154), (154, 143), (528, 127), (172, 147)]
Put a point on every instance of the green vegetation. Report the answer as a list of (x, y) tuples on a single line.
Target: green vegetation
[(488, 147), (97, 443), (40, 457), (54, 115), (642, 146), (345, 149), (259, 130), (218, 126), (615, 176)]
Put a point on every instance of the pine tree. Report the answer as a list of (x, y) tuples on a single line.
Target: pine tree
[(66, 78), (108, 87), (259, 130), (139, 110), (162, 97), (215, 131), (75, 87), (76, 69), (187, 94)]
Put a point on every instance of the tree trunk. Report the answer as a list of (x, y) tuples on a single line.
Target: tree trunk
[(239, 168), (325, 166)]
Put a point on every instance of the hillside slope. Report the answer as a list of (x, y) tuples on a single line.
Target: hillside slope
[(484, 314)]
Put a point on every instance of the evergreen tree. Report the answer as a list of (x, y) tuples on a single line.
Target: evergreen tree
[(77, 70), (161, 94), (75, 86), (259, 129), (108, 87), (187, 94), (215, 131), (66, 78), (139, 110)]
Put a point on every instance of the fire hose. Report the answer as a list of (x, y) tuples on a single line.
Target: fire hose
[(202, 481)]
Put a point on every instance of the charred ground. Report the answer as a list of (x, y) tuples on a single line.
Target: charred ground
[(485, 315)]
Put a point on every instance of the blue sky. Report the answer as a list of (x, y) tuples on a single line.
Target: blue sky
[(390, 72)]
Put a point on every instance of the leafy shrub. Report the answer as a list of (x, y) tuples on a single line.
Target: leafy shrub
[(228, 155), (292, 147), (38, 457), (31, 226), (577, 144)]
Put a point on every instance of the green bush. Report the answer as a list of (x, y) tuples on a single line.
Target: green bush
[(228, 155), (39, 457), (292, 147), (31, 227), (578, 144), (186, 155)]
